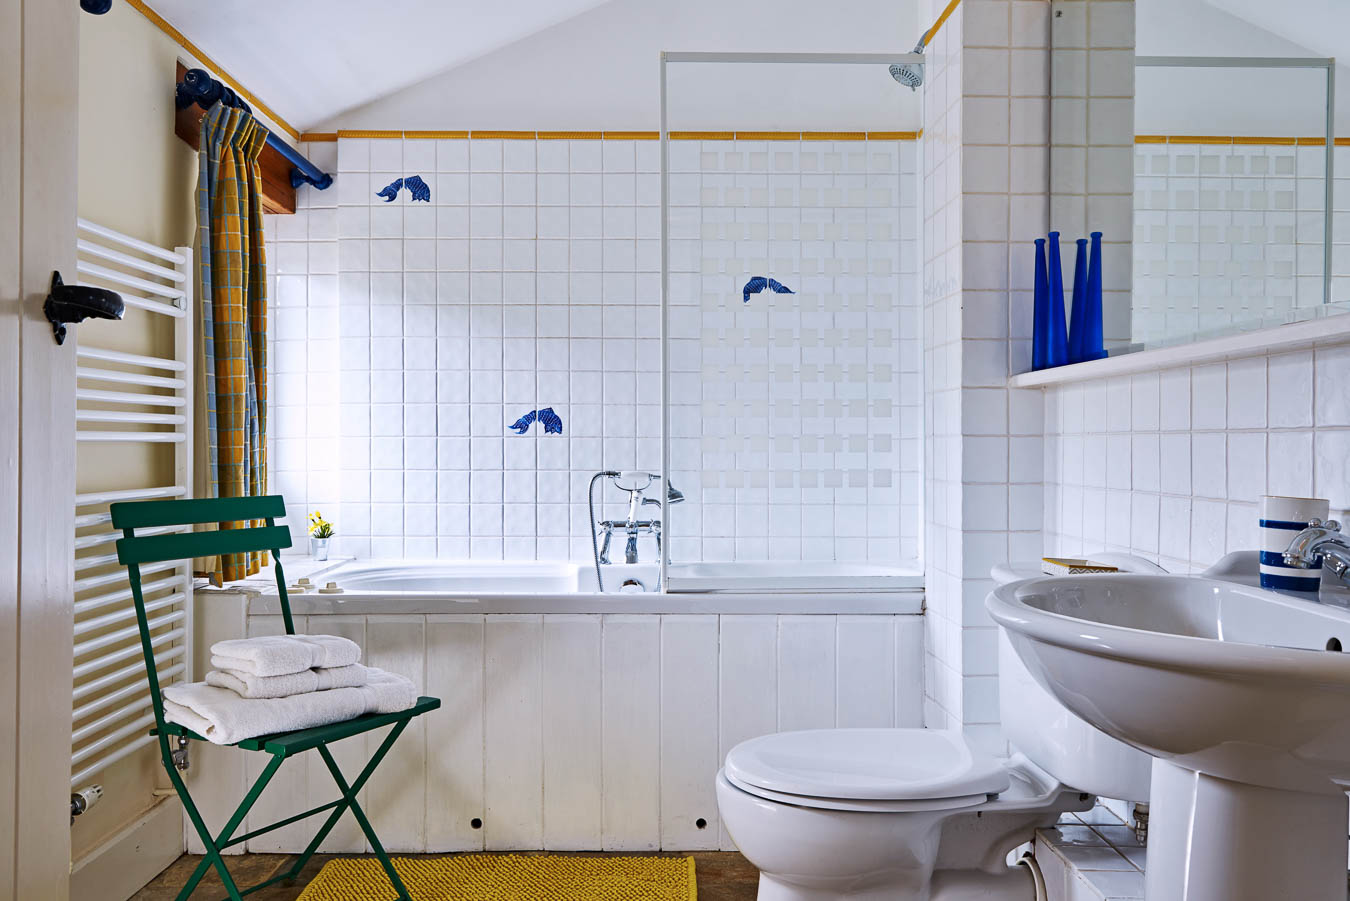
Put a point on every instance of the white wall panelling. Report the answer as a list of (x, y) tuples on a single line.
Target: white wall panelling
[(582, 732)]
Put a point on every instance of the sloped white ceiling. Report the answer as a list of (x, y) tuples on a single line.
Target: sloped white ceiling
[(312, 59), (1323, 26)]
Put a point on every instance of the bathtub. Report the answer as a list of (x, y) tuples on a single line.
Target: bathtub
[(436, 586), (571, 719)]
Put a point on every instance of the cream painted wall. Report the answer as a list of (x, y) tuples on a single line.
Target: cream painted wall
[(137, 177)]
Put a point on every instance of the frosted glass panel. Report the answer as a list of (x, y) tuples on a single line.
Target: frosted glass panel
[(794, 355)]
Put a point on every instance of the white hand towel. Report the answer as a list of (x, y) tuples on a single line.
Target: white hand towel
[(222, 717), (280, 655), (247, 685)]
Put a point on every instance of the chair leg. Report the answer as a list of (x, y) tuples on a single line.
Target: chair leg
[(213, 845), (349, 793)]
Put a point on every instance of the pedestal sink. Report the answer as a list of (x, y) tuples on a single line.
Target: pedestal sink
[(1242, 697)]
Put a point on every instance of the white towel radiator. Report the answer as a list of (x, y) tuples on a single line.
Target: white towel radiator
[(128, 398)]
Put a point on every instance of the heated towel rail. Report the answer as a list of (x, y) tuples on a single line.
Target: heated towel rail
[(128, 399)]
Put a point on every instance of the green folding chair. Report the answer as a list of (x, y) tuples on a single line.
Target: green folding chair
[(132, 552)]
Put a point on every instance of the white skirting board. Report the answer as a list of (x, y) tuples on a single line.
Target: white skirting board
[(122, 865), (577, 731)]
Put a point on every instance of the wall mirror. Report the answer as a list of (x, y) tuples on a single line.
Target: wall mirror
[(1200, 138)]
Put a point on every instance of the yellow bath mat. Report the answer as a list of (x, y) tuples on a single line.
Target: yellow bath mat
[(509, 877)]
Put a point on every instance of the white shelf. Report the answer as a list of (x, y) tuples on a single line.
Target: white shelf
[(1290, 336)]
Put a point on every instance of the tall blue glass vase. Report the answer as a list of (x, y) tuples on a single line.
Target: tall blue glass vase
[(1057, 342), (1040, 321), (1079, 308), (1094, 348)]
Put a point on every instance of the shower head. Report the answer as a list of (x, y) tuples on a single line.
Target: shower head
[(909, 74)]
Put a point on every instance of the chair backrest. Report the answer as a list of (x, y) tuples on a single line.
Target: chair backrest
[(132, 551)]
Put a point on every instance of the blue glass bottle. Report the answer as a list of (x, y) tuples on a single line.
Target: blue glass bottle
[(1094, 347), (1040, 310), (1057, 334), (1080, 279)]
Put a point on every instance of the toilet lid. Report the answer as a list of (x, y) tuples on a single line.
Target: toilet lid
[(869, 764)]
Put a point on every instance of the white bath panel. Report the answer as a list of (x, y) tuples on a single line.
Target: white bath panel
[(572, 732), (908, 671), (287, 793), (455, 733), (865, 667), (396, 793), (512, 745), (350, 755), (748, 686), (217, 776), (689, 733), (806, 672), (631, 698)]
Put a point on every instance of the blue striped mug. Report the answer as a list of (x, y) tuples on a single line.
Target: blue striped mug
[(1281, 519)]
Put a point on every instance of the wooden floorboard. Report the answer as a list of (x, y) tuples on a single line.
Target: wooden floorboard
[(722, 876)]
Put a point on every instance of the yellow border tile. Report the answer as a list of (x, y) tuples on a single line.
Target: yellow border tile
[(836, 135), (570, 135), (442, 135), (504, 135), (768, 135), (367, 133), (632, 135), (702, 135), (318, 136)]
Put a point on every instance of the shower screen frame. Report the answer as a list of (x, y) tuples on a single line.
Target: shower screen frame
[(752, 58), (1278, 62)]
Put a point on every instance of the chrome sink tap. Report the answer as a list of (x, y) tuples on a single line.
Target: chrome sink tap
[(1321, 541)]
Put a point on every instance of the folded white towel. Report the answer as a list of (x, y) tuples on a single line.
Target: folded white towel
[(280, 655), (247, 685), (222, 717)]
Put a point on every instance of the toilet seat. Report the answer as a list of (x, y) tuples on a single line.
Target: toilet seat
[(883, 770), (856, 805)]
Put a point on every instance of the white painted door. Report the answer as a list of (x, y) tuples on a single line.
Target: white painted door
[(38, 106)]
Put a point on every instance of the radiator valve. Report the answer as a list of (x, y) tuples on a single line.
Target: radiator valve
[(84, 799), (180, 754)]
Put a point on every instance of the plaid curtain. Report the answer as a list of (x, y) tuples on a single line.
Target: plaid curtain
[(232, 285)]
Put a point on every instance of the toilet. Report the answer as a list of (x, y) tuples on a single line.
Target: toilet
[(920, 814)]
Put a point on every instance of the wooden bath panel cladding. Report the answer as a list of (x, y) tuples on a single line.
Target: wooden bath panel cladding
[(582, 731)]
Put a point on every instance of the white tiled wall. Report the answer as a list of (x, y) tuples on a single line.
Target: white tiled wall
[(410, 335), (1230, 233), (986, 135), (1171, 465), (796, 417)]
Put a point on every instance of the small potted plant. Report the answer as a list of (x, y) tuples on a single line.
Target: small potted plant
[(320, 533)]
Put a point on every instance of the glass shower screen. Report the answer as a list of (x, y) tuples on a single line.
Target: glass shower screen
[(792, 389)]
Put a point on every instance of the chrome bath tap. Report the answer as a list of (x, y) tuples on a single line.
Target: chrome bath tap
[(1321, 541), (635, 483)]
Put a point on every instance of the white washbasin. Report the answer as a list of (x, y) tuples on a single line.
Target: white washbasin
[(1233, 691)]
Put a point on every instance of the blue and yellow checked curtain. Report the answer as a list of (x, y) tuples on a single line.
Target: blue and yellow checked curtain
[(232, 285)]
